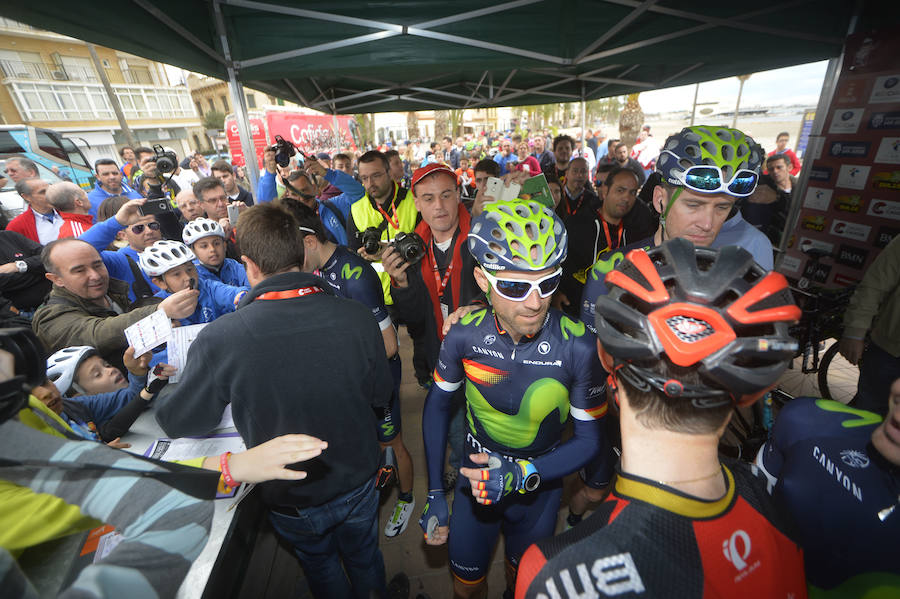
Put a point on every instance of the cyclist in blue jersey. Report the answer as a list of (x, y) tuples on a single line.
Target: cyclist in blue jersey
[(705, 171), (170, 266), (353, 277), (206, 238), (835, 471), (526, 369)]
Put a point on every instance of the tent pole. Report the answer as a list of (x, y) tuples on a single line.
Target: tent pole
[(583, 146), (238, 101), (694, 109)]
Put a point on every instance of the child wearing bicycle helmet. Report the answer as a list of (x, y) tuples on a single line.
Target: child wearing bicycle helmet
[(687, 334), (206, 238), (92, 397), (170, 265)]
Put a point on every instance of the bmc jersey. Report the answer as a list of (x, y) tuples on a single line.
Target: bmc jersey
[(519, 395), (595, 285), (834, 484), (351, 276), (648, 540)]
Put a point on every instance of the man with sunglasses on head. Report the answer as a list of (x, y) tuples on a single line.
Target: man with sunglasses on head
[(705, 171), (526, 368)]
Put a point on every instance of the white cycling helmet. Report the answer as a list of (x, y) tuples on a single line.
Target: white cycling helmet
[(200, 228), (163, 256), (62, 366)]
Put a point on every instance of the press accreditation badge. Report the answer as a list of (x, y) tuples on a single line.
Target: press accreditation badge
[(445, 310)]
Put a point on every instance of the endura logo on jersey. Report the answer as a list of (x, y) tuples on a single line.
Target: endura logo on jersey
[(689, 329), (487, 352), (544, 348), (613, 575), (833, 469), (855, 458), (542, 363)]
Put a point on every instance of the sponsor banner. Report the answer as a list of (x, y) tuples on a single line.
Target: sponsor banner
[(888, 151), (853, 176), (813, 223), (884, 120), (852, 256), (852, 91), (886, 90), (884, 209), (817, 198), (807, 244), (790, 264), (257, 134), (843, 280), (846, 120), (849, 149), (843, 228), (884, 235), (821, 173), (848, 203)]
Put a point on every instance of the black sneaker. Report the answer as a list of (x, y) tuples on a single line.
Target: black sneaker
[(398, 587)]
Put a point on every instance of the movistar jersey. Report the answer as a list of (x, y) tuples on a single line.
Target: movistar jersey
[(595, 286), (518, 396), (353, 277), (834, 483), (649, 540)]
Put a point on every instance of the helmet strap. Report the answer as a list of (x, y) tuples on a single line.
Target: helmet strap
[(662, 219)]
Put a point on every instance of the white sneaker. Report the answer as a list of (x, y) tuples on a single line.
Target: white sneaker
[(399, 518)]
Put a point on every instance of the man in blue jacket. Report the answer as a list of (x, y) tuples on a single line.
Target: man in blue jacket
[(109, 184)]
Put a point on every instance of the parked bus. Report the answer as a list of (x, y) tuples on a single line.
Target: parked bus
[(48, 149)]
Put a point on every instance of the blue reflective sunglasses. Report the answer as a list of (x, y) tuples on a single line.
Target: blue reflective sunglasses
[(709, 179), (518, 290)]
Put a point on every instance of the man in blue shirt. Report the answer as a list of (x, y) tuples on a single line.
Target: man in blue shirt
[(109, 184)]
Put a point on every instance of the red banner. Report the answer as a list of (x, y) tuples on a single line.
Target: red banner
[(257, 132), (311, 133), (851, 206)]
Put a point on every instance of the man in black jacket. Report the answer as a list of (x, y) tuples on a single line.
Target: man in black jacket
[(426, 292), (294, 358), (23, 285)]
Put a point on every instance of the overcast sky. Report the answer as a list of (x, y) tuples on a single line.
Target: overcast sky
[(792, 85)]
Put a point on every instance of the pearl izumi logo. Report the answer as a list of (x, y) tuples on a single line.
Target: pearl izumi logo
[(737, 551)]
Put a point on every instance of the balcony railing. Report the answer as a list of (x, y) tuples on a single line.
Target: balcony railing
[(46, 72)]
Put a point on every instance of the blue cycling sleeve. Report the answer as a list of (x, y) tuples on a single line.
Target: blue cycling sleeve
[(266, 190), (448, 377), (102, 234)]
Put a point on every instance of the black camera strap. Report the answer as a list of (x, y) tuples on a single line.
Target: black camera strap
[(140, 287)]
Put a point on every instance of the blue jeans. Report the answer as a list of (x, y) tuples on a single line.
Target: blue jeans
[(337, 544)]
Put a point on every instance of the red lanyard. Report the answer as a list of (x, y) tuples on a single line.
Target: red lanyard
[(439, 283), (577, 206), (387, 216), (619, 228), (289, 293)]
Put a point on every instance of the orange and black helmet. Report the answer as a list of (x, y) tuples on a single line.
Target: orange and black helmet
[(716, 310)]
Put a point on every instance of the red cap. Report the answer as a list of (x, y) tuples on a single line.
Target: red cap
[(434, 167)]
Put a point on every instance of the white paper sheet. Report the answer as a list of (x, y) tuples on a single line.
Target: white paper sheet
[(187, 447), (179, 343), (149, 332)]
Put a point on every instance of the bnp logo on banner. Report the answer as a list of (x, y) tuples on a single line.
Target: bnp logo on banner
[(848, 203)]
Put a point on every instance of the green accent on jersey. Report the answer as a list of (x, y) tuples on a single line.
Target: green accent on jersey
[(477, 315), (350, 273), (507, 483), (388, 429), (567, 325), (518, 430), (864, 417), (872, 585), (604, 267)]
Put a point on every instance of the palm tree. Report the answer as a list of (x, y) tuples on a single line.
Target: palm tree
[(630, 120)]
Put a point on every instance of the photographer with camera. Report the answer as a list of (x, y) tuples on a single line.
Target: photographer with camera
[(430, 281), (386, 210), (153, 182)]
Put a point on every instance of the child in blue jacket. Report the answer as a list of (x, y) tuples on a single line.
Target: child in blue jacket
[(206, 239)]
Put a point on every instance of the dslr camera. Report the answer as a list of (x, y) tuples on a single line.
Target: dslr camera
[(166, 160), (410, 246), (370, 239), (284, 151)]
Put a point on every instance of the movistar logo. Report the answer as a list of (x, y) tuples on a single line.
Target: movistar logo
[(567, 325), (604, 267), (388, 429), (351, 273), (541, 399), (477, 316), (863, 417)]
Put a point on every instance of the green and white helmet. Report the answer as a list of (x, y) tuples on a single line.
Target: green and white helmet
[(728, 149), (518, 235)]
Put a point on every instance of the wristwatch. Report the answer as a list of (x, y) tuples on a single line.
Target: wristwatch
[(531, 479), (21, 266)]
